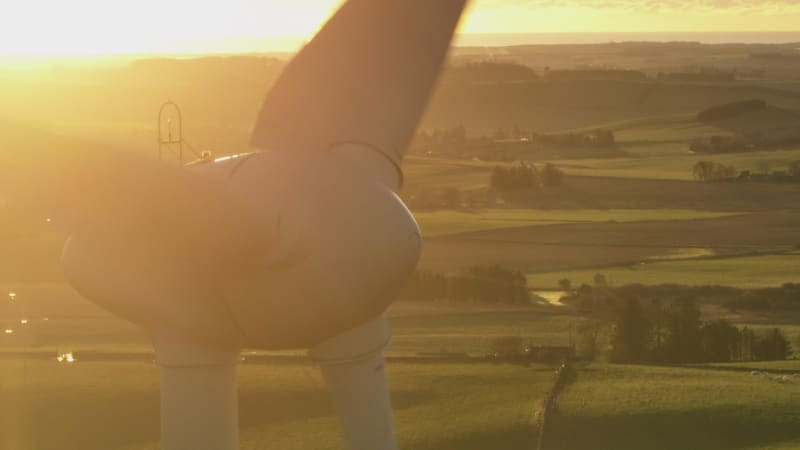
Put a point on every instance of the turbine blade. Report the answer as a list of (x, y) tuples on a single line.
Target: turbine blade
[(365, 77), (86, 188)]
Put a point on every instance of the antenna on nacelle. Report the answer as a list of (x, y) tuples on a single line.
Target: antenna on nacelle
[(170, 141)]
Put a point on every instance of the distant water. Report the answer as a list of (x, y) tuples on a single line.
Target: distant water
[(500, 40)]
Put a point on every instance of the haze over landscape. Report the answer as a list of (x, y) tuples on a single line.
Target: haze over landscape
[(96, 27), (608, 193)]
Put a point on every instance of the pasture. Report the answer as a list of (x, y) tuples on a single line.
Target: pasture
[(575, 249), (676, 167), (114, 406), (619, 407), (443, 222)]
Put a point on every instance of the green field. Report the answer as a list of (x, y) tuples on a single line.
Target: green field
[(426, 174), (789, 364), (114, 406), (746, 272), (473, 332), (676, 167), (613, 407), (437, 223), (455, 329)]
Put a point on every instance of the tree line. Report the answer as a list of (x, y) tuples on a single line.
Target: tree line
[(454, 141), (710, 171), (672, 332), (489, 285)]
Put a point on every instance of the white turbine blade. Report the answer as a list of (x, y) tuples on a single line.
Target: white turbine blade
[(365, 77), (86, 188)]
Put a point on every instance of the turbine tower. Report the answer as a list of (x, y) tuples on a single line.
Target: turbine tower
[(302, 244)]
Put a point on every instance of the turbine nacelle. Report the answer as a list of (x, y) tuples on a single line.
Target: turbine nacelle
[(340, 245)]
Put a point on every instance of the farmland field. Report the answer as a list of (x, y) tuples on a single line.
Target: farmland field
[(747, 272), (780, 366), (436, 223), (677, 167), (635, 407), (473, 332), (590, 246), (49, 406)]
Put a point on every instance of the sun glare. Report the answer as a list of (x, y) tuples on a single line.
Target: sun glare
[(54, 28), (37, 29)]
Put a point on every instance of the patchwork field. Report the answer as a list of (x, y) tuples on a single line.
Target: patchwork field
[(745, 272), (676, 167), (634, 407), (572, 246), (114, 406), (438, 223), (473, 332)]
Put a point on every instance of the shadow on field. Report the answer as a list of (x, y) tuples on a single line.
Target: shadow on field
[(78, 412), (264, 407), (513, 437), (700, 429), (79, 419)]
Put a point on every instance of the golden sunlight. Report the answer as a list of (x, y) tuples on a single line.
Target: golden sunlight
[(99, 27), (56, 28)]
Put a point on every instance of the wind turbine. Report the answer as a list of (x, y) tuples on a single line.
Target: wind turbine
[(301, 245)]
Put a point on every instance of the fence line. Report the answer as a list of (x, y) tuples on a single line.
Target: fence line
[(549, 404)]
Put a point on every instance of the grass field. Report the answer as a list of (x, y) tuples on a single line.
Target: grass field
[(676, 167), (789, 364), (753, 271), (473, 332), (437, 223), (114, 406), (425, 174), (457, 329), (639, 407)]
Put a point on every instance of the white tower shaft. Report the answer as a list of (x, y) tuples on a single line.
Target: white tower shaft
[(199, 408), (353, 367)]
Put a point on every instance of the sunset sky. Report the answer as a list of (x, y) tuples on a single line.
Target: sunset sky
[(87, 27)]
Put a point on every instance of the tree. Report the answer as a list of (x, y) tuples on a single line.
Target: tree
[(600, 280), (518, 176), (631, 333), (588, 339), (796, 344), (683, 343), (565, 284), (552, 175), (721, 341), (703, 170), (772, 346), (604, 138), (746, 345), (712, 171)]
